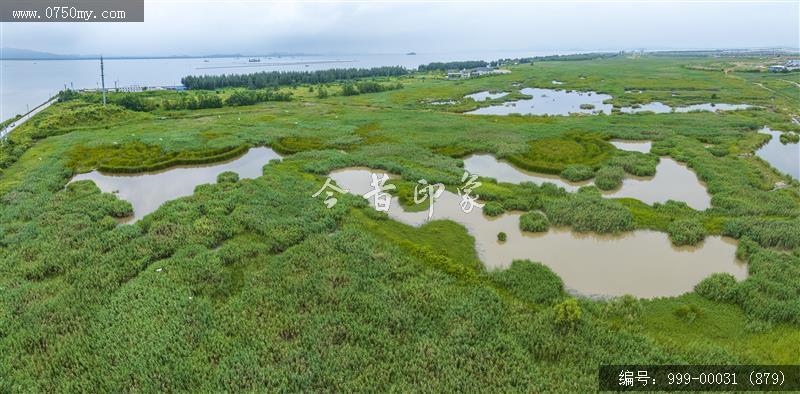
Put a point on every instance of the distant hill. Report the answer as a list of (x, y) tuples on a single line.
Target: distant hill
[(27, 54)]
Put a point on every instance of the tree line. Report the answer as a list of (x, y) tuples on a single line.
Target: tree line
[(267, 79), (436, 66), (550, 58), (350, 89), (466, 64)]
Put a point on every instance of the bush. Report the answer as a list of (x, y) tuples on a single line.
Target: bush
[(789, 138), (131, 101), (609, 178), (626, 308), (208, 101), (531, 282), (568, 314), (349, 90), (577, 173), (369, 87), (493, 208), (718, 287), (67, 95), (250, 97), (242, 97), (587, 106), (686, 232), (534, 222), (228, 177), (502, 237)]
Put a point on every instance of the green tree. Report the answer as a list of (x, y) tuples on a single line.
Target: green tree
[(349, 90)]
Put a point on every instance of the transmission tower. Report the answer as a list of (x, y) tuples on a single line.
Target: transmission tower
[(103, 80)]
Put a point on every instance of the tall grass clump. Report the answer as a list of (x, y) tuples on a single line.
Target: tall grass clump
[(779, 233), (636, 163), (609, 178), (718, 287), (534, 222), (493, 208), (531, 282), (686, 232), (577, 173), (588, 212)]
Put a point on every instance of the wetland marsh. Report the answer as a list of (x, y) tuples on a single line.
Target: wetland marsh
[(688, 254)]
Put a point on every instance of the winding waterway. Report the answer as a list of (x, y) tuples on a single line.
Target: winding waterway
[(641, 263)]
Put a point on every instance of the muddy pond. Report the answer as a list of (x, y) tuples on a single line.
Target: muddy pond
[(661, 108), (147, 191), (486, 95), (672, 181), (633, 146), (642, 263), (550, 102), (784, 157)]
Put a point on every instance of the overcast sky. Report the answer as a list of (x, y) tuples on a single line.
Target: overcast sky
[(256, 27)]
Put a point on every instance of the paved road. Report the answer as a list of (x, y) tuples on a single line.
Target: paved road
[(25, 118)]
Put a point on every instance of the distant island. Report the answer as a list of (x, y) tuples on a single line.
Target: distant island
[(411, 53)]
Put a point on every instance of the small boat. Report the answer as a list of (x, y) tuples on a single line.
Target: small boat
[(254, 60)]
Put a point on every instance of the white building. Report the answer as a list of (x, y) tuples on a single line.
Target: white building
[(474, 72), (130, 89)]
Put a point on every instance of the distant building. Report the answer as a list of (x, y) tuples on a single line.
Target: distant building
[(453, 74), (130, 89), (474, 72), (790, 65), (480, 71)]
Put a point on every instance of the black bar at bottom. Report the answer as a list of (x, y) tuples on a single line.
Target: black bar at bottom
[(699, 377)]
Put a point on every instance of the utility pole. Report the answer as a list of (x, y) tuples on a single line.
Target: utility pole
[(103, 80)]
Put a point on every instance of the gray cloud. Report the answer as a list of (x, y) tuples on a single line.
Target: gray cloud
[(260, 27)]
